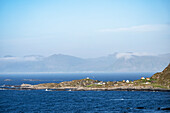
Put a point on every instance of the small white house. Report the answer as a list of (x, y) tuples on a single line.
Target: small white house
[(147, 83), (87, 78), (127, 81), (99, 83)]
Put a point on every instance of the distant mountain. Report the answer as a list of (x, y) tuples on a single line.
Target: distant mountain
[(8, 56), (117, 62)]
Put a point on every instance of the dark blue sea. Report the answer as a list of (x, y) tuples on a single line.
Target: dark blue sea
[(18, 79), (41, 101)]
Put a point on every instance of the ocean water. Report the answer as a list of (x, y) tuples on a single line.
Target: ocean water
[(18, 79), (41, 101)]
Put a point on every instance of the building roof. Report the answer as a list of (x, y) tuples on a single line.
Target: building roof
[(142, 77)]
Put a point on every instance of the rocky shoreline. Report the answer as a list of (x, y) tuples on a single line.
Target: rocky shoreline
[(84, 88)]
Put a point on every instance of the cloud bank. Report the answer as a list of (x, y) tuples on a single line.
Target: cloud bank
[(129, 55), (141, 28), (25, 58)]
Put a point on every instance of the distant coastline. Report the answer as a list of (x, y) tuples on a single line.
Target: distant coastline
[(158, 82)]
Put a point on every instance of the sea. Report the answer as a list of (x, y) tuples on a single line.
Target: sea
[(41, 101)]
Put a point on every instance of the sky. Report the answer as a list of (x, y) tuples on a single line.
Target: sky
[(84, 28)]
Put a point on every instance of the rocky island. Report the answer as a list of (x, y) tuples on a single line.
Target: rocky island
[(158, 82)]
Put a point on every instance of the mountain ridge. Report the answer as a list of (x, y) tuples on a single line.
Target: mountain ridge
[(117, 62)]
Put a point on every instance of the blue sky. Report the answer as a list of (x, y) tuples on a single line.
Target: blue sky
[(84, 28)]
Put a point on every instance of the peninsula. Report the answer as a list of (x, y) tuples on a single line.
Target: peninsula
[(158, 82)]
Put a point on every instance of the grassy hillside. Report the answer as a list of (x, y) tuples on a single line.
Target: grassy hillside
[(163, 78)]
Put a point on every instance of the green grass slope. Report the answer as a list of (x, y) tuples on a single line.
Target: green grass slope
[(163, 78)]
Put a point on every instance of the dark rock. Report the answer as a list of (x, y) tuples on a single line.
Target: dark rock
[(139, 108), (165, 108)]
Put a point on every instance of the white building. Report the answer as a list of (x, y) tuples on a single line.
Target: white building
[(127, 81), (147, 83)]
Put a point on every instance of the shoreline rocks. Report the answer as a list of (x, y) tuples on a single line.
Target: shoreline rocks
[(36, 87)]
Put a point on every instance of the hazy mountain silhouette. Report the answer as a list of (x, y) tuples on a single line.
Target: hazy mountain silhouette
[(118, 62)]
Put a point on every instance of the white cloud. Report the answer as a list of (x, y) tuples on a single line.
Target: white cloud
[(130, 55), (141, 28), (19, 59)]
